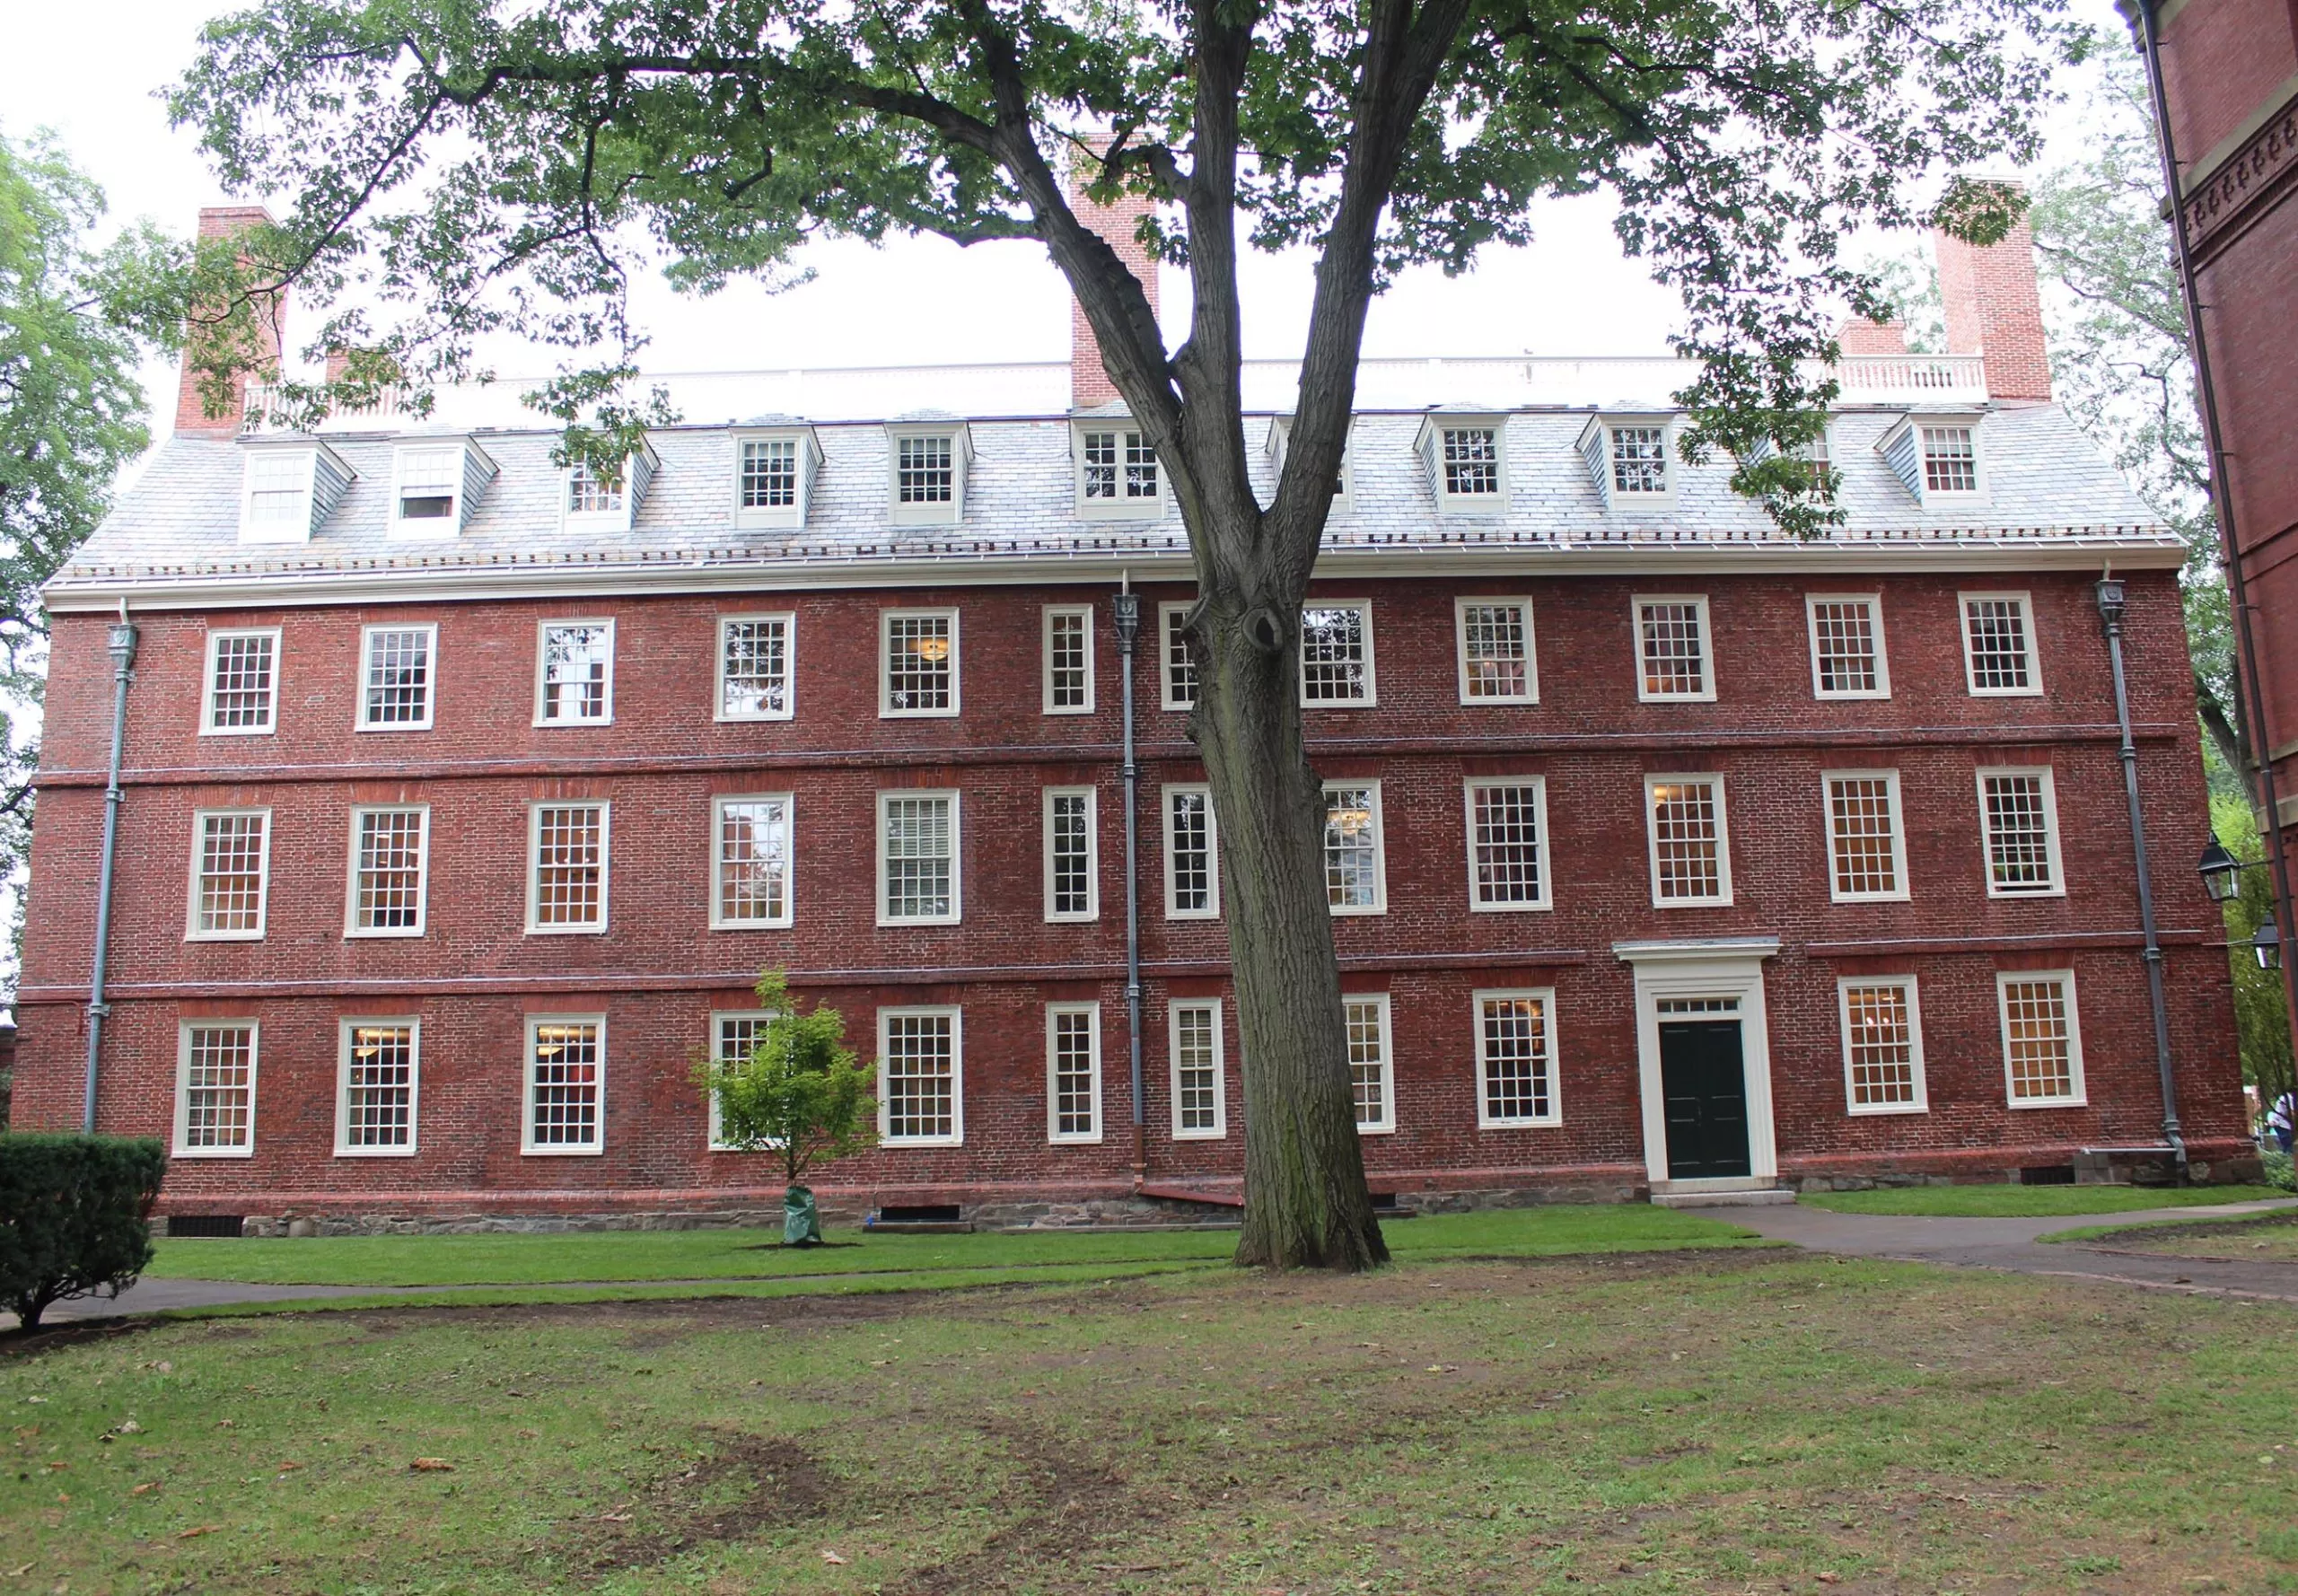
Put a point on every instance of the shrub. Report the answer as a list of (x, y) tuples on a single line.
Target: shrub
[(2278, 1170), (75, 1216)]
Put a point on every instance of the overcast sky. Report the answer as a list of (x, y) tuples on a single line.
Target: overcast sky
[(89, 70)]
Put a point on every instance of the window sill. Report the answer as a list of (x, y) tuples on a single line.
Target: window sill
[(271, 731), (2049, 1103), (1555, 1122), (784, 924), (374, 1153), (562, 1152), (223, 936), (355, 933), (1542, 907), (1200, 1135), (566, 931), (1884, 1110), (213, 1152)]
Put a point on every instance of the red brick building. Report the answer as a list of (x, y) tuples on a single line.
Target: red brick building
[(463, 799)]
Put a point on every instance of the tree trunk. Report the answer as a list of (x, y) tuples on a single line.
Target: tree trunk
[(1306, 1205)]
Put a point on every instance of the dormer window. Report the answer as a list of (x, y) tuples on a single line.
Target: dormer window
[(1630, 458), (287, 491), (928, 472), (594, 503), (773, 477), (1117, 474), (1639, 459), (1949, 461), (1280, 446), (590, 493), (434, 485), (1466, 462), (1936, 456)]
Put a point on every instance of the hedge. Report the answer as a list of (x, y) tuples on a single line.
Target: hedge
[(75, 1216)]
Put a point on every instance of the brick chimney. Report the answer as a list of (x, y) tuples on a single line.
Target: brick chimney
[(1995, 310), (1859, 336), (226, 221), (1118, 225)]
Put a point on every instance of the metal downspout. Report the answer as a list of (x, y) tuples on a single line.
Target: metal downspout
[(121, 644), (2110, 611), (1128, 628), (2246, 657)]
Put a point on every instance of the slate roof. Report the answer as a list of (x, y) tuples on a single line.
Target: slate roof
[(2044, 482)]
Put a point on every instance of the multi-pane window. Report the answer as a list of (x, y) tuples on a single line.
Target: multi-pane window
[(1671, 646), (1372, 1076), (2042, 1046), (1337, 653), (920, 1086), (769, 473), (389, 853), (1471, 460), (1192, 855), (216, 1089), (1949, 461), (590, 493), (565, 1085), (920, 663), (1194, 1032), (1515, 1059), (918, 858), (1639, 459), (2018, 814), (1118, 466), (1179, 665), (732, 1035), (429, 480), (1998, 645), (1073, 1065), (1068, 660), (375, 1090), (1508, 844), (396, 693), (279, 489), (1070, 891), (1848, 647), (924, 471), (753, 863), (1495, 645), (231, 856), (1865, 851), (1355, 875), (1690, 860), (574, 673), (242, 681), (754, 668), (1882, 1046), (566, 867)]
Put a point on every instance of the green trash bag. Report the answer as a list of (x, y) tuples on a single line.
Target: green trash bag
[(802, 1225)]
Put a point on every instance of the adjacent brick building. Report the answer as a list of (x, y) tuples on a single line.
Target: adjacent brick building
[(465, 798)]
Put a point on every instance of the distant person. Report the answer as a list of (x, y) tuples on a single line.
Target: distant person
[(2281, 1117)]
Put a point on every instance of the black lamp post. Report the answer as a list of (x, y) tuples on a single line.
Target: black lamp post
[(2266, 945), (2221, 872)]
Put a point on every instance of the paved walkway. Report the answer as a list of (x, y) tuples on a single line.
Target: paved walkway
[(2013, 1244)]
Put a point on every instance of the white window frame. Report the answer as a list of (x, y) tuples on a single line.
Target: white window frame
[(1615, 496), (1461, 607), (1698, 602), (1429, 444), (528, 1147), (950, 511), (1054, 1135), (1092, 910), (2058, 888), (351, 926), (543, 628), (1923, 425), (1485, 1119), (1380, 904), (428, 528), (191, 931), (535, 806), (1539, 785), (957, 1136), (1212, 910), (360, 723), (1921, 1103), (957, 856), (208, 726), (1722, 840), (886, 618), (1049, 613), (1386, 1124), (2080, 1096), (1165, 696), (1875, 602), (184, 1028), (805, 455), (1902, 892), (297, 529), (1219, 1130), (1146, 506), (714, 1131), (788, 622), (788, 916), (1363, 608), (2026, 602), (345, 1027)]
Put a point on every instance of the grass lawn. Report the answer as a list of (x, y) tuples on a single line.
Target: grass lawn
[(2245, 1238), (507, 1260), (1694, 1423), (2022, 1202)]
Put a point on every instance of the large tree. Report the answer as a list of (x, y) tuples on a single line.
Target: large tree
[(461, 167)]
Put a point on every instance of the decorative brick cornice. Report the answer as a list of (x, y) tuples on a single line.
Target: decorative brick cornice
[(2225, 200)]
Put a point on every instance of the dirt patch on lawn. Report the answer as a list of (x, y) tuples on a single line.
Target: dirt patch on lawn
[(2271, 1237), (746, 1484), (655, 1321)]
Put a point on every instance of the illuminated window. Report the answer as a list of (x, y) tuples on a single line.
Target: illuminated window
[(375, 1089), (919, 668), (565, 1085), (1515, 1059), (1883, 1044), (1355, 877)]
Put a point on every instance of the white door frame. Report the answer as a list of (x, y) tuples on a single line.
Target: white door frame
[(1721, 967)]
